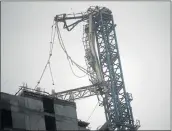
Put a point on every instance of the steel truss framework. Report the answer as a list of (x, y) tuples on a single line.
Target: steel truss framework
[(116, 100), (78, 93), (89, 59)]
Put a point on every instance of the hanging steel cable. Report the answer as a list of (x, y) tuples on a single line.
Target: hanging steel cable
[(93, 111), (68, 57), (48, 61)]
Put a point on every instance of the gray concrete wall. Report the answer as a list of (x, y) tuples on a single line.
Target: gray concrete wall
[(68, 111), (34, 104), (26, 113), (18, 120), (35, 122), (22, 110), (69, 120)]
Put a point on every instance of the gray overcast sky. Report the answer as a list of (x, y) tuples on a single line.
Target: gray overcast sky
[(143, 33)]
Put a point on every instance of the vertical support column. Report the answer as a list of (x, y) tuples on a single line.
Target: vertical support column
[(118, 110), (95, 61)]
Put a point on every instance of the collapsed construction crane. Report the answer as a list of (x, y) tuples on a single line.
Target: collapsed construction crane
[(103, 66)]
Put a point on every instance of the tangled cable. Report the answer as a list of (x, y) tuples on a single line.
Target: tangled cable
[(70, 60)]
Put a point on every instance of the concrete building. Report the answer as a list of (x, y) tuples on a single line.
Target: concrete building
[(30, 110)]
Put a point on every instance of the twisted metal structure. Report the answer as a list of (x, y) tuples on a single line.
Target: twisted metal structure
[(104, 67)]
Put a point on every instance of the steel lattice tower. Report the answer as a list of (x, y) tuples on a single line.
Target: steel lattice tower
[(116, 100), (104, 67)]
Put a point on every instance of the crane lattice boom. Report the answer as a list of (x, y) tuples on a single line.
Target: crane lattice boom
[(104, 66)]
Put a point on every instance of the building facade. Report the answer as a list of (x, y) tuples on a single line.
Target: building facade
[(31, 111)]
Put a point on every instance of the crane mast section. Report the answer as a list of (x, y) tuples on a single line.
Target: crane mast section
[(106, 67), (117, 104)]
